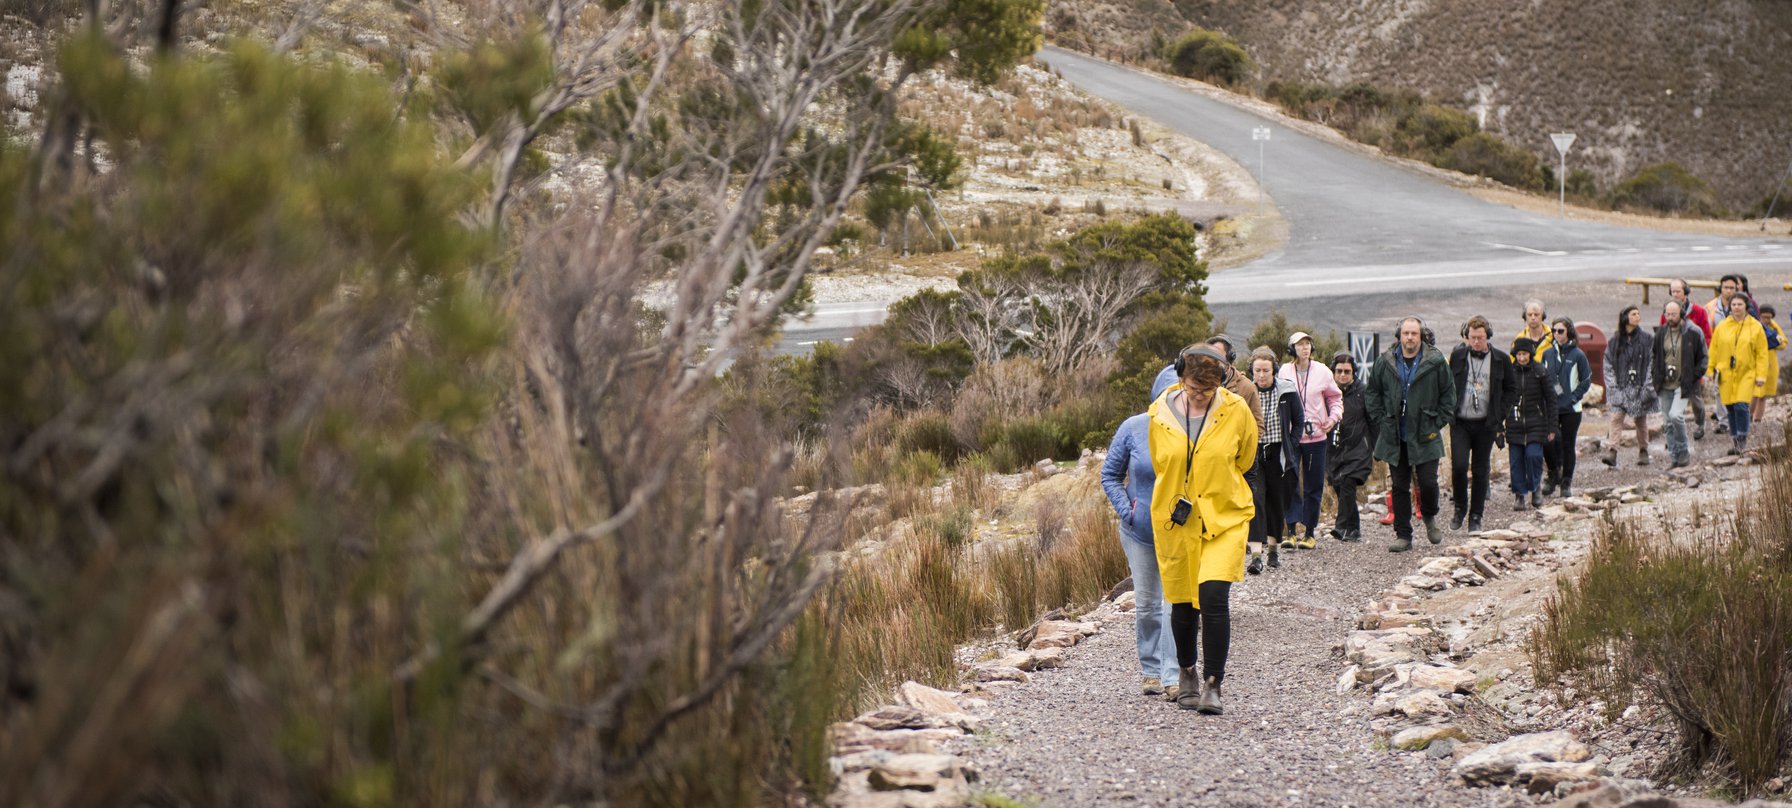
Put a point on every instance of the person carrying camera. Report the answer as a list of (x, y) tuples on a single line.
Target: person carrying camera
[(1483, 374), (1202, 438)]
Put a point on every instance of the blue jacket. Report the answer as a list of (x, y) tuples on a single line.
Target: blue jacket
[(1567, 364), (1127, 477), (1165, 378)]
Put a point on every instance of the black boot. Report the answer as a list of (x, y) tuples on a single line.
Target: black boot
[(1549, 486), (1401, 544)]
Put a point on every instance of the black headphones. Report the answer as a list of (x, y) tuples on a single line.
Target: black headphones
[(1197, 349), (1231, 355), (1489, 328)]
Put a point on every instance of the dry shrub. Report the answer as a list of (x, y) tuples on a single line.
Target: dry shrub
[(1703, 624), (972, 488)]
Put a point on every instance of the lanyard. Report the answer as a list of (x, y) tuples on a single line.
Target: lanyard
[(1300, 386)]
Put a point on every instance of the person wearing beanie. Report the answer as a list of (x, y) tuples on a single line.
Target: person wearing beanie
[(1531, 420)]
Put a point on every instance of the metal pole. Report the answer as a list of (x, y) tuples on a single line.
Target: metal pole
[(936, 214), (1260, 189), (1562, 190), (1776, 197)]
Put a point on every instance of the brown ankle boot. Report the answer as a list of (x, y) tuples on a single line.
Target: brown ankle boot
[(1188, 696), (1210, 697)]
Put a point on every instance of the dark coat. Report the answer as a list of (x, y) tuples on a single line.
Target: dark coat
[(1430, 406), (1627, 361), (1350, 456), (1287, 403), (1499, 380), (1533, 416), (1567, 365), (1693, 358)]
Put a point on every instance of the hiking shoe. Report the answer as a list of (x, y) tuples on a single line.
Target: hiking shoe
[(1681, 462), (1549, 487), (1521, 504), (1698, 432), (1610, 457), (1733, 450), (1188, 690), (1335, 533), (1275, 559), (1351, 536), (1153, 686), (1537, 500), (1474, 524), (1642, 457), (1171, 692), (1456, 521), (1306, 542), (1210, 698), (1433, 533), (1566, 491), (1287, 543), (1401, 544), (1255, 567)]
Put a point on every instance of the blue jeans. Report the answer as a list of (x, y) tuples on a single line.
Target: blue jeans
[(1305, 510), (1151, 615), (1527, 467), (1739, 421), (1673, 416)]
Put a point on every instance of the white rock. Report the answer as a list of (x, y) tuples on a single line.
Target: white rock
[(1424, 703), (928, 699), (1413, 739), (1034, 660), (998, 673), (1439, 567), (1424, 582), (1543, 777), (1499, 763), (1057, 634), (1126, 601), (1347, 680), (1467, 577), (1435, 677)]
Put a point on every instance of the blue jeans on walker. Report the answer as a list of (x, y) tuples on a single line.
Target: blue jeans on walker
[(1527, 467), (1151, 615), (1304, 510), (1673, 416), (1739, 421)]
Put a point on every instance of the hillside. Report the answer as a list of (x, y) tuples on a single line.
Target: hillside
[(1698, 83)]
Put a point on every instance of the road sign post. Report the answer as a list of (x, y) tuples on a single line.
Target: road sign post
[(1562, 140), (1261, 135)]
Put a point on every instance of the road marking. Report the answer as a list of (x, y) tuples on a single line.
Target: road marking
[(1700, 248), (1524, 249), (1735, 247), (1526, 271), (1667, 249)]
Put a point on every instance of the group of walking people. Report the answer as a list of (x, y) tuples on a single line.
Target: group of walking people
[(1225, 469)]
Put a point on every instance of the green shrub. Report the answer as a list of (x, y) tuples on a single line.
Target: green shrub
[(1703, 624), (1666, 188), (930, 431), (1431, 130), (1488, 156), (1029, 440), (1209, 56)]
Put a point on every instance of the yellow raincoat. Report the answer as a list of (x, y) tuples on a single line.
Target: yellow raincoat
[(1739, 357), (1773, 362), (1210, 546)]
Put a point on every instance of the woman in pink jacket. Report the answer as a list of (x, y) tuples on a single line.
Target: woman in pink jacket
[(1323, 404)]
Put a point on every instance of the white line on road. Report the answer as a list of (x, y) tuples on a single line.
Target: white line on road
[(1700, 248), (1524, 249), (1526, 271)]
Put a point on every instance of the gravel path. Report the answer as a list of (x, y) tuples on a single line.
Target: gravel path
[(1082, 735)]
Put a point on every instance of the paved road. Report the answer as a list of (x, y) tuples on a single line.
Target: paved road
[(1369, 238)]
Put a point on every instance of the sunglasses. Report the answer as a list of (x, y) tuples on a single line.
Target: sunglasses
[(1561, 331)]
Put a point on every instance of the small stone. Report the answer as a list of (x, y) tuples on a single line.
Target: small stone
[(1347, 680), (1438, 567), (1424, 582), (1467, 577), (928, 699), (1034, 660), (1413, 739), (1126, 601), (1424, 703), (999, 673), (1542, 777), (1046, 467), (916, 772), (1056, 634), (1435, 677), (1499, 763)]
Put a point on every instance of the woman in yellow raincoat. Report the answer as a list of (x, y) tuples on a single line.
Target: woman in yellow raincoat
[(1203, 438), (1776, 342), (1739, 360)]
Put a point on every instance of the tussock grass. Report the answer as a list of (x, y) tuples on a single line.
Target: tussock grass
[(1701, 623)]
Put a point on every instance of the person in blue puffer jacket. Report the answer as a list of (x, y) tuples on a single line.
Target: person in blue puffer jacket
[(1566, 365), (1127, 478)]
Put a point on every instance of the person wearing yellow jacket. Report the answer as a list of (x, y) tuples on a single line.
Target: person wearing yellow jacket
[(1739, 360), (1202, 438), (1776, 342)]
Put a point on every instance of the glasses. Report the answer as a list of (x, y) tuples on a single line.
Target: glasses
[(1561, 331)]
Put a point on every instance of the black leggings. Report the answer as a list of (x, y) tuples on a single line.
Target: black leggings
[(1214, 619)]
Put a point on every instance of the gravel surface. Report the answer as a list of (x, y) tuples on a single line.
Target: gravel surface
[(1082, 735)]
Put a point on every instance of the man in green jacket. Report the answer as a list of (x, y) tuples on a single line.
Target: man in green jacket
[(1411, 398)]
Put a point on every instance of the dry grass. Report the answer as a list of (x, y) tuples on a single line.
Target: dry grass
[(1703, 624)]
